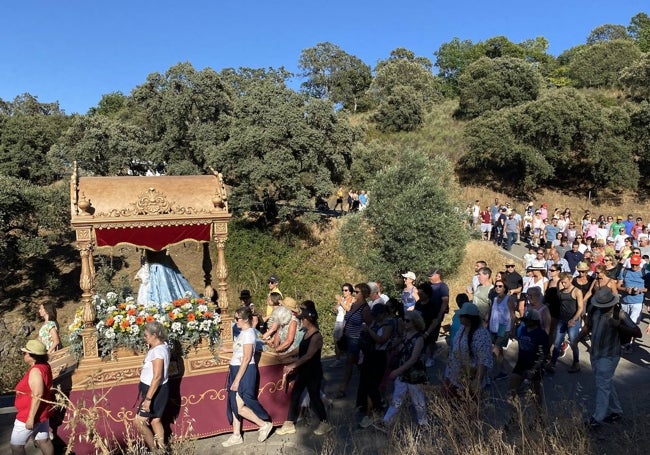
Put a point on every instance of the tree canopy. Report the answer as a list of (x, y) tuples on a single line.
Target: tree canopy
[(335, 75), (496, 83), (608, 32), (455, 56), (599, 64), (280, 144), (635, 79), (563, 139), (28, 129), (639, 30)]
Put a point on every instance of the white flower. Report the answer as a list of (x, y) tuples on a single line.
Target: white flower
[(110, 333), (118, 318), (129, 299), (131, 318), (111, 308), (130, 307), (216, 318), (176, 310), (202, 308), (205, 325), (192, 325), (187, 306), (135, 330), (177, 327)]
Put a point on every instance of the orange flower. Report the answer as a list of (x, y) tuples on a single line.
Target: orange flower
[(177, 303), (131, 312), (207, 314), (109, 322), (149, 318), (121, 306), (125, 324), (139, 320), (171, 315), (191, 317)]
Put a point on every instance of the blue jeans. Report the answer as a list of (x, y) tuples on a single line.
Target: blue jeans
[(562, 330), (606, 397), (511, 239)]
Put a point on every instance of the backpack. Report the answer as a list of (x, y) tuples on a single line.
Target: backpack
[(616, 315)]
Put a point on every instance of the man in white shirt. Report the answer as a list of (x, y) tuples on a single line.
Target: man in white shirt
[(476, 209), (375, 294)]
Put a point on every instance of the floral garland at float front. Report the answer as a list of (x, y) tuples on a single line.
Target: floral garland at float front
[(188, 321)]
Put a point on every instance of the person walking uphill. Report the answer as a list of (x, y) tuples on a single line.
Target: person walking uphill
[(571, 309), (153, 386), (308, 373), (32, 392), (606, 323), (243, 383)]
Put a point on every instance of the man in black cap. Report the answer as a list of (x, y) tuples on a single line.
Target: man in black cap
[(607, 324)]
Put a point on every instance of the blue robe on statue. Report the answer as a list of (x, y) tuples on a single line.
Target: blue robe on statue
[(165, 282)]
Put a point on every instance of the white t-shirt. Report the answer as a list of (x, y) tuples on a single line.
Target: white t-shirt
[(159, 352), (247, 336)]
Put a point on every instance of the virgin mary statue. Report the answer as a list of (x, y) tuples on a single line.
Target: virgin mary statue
[(160, 280)]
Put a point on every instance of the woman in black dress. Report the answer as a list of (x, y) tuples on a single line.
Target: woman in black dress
[(308, 373)]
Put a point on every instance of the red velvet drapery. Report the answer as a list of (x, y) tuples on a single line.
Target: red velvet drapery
[(154, 237)]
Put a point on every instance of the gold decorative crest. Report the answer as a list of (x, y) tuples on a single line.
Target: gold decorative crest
[(152, 203)]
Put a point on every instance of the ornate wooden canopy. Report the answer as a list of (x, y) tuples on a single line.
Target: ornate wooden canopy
[(148, 212)]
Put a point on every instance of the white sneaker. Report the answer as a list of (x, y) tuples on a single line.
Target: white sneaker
[(233, 440), (323, 428), (264, 431)]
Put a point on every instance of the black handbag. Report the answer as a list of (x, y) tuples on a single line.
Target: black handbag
[(417, 374)]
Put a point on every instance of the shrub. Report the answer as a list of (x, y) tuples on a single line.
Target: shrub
[(412, 223)]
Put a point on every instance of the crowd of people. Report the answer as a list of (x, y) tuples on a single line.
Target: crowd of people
[(583, 281), (356, 200)]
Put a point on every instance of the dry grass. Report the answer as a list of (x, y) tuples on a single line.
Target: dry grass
[(467, 427), (85, 424)]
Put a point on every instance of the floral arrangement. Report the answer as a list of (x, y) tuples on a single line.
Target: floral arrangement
[(121, 323)]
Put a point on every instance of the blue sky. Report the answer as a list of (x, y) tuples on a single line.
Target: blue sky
[(74, 51)]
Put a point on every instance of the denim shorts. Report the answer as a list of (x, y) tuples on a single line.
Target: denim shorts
[(354, 346)]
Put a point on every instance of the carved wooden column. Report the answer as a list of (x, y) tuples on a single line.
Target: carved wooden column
[(222, 273), (222, 289), (87, 285)]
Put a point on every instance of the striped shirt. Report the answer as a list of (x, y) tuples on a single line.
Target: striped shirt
[(605, 340)]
